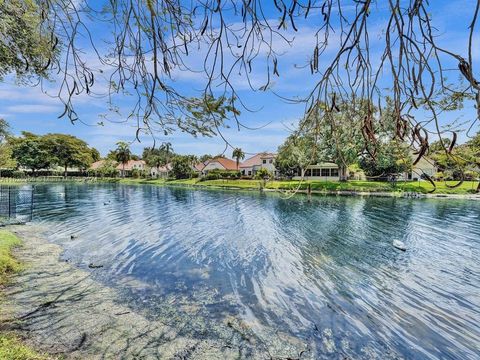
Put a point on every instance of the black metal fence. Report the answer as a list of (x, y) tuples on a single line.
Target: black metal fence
[(16, 204)]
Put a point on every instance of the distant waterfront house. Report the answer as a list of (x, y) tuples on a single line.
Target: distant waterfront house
[(105, 167), (97, 165), (262, 160), (325, 171), (198, 168), (161, 171), (126, 170), (219, 163), (424, 166)]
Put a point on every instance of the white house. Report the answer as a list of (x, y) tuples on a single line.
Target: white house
[(161, 171), (262, 160), (424, 166), (325, 171)]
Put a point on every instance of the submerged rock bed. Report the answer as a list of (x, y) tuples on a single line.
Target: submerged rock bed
[(64, 311)]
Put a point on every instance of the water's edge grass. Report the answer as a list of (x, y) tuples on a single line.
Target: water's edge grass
[(11, 347), (361, 188), (349, 188)]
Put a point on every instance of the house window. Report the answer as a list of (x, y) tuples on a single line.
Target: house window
[(249, 173), (334, 172), (270, 161), (264, 161), (315, 172), (325, 172), (308, 173)]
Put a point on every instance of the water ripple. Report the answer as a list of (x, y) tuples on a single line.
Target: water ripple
[(323, 271)]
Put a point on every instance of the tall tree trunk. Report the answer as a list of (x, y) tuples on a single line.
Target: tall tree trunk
[(123, 170), (65, 173)]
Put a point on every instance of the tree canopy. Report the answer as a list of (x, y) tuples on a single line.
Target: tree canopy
[(37, 152), (26, 44), (69, 151), (367, 49), (31, 152), (181, 167)]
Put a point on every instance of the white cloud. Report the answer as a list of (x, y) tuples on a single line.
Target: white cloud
[(33, 108)]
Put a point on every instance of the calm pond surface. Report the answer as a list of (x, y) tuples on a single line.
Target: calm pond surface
[(323, 272)]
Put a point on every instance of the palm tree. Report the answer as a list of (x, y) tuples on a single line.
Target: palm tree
[(193, 160), (238, 154), (123, 154), (167, 149)]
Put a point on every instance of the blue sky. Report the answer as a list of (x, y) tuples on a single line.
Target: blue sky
[(27, 108)]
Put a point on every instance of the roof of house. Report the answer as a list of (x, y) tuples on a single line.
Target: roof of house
[(324, 164), (228, 164), (130, 164), (97, 164), (199, 166), (165, 168), (256, 160)]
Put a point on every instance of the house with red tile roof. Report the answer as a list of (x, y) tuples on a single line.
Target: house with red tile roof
[(97, 164), (219, 163), (262, 160), (127, 168), (198, 167)]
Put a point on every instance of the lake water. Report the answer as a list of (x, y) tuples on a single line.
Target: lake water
[(323, 272)]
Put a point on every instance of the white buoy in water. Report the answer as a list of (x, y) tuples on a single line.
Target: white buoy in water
[(400, 245)]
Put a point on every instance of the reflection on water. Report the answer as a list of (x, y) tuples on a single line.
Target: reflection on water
[(323, 272)]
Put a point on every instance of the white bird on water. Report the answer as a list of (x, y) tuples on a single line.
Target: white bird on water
[(399, 245)]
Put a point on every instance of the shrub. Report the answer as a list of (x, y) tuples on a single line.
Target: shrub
[(137, 173), (12, 173), (263, 174), (217, 174), (181, 168), (18, 174)]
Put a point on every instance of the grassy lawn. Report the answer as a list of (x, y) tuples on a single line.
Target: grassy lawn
[(374, 186), (242, 184), (8, 264), (140, 181), (424, 187), (468, 187), (11, 347)]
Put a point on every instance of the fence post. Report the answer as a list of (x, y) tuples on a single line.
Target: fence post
[(31, 203), (9, 205)]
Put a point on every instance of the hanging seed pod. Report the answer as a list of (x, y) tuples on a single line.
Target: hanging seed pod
[(452, 144), (429, 179)]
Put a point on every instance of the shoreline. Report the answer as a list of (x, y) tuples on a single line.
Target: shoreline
[(61, 310), (395, 194), (222, 185)]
